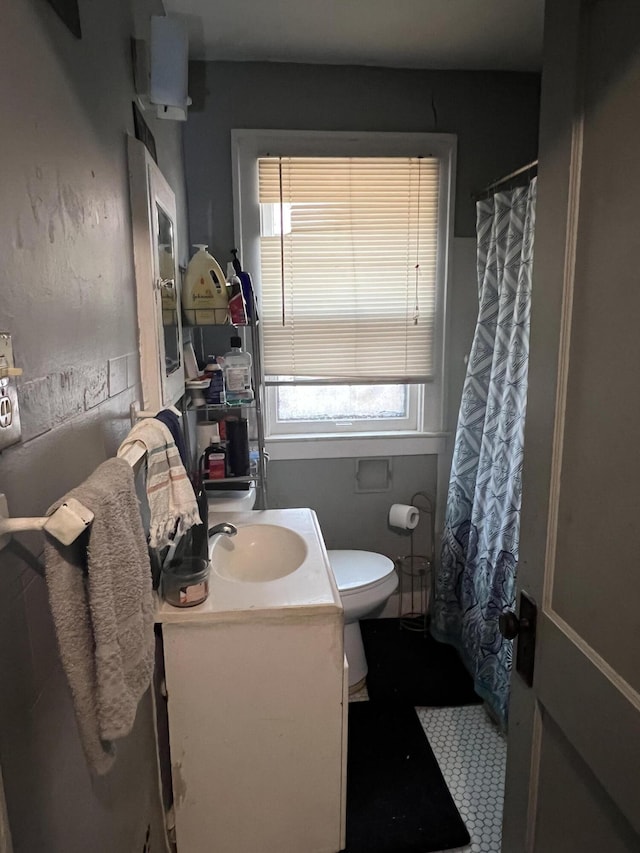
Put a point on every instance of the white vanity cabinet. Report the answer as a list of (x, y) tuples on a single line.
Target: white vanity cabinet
[(257, 701)]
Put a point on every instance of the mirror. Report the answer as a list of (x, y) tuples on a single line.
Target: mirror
[(167, 275), (156, 256)]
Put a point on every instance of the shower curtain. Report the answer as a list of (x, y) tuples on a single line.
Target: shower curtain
[(475, 581)]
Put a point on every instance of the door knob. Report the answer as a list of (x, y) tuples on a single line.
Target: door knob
[(510, 626), (524, 628)]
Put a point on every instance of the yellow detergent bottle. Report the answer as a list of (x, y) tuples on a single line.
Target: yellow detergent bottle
[(206, 300)]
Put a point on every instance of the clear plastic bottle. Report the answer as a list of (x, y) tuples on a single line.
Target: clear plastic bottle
[(237, 374)]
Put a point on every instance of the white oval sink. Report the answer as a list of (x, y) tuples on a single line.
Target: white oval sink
[(258, 553)]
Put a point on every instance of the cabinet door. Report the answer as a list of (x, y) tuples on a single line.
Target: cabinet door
[(256, 733), (154, 217)]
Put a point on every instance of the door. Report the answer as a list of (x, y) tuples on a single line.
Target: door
[(573, 774), (5, 834)]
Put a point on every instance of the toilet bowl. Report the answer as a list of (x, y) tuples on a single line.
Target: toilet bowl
[(232, 501), (365, 581)]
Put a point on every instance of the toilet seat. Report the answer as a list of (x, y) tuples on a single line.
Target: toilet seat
[(358, 571), (233, 501)]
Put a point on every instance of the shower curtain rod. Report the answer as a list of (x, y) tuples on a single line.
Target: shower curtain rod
[(493, 186)]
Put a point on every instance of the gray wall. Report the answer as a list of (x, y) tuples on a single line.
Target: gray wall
[(69, 301), (350, 519), (495, 116)]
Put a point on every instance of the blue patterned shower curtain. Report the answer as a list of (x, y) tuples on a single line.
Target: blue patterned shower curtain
[(475, 581)]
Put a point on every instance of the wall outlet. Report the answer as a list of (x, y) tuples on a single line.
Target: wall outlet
[(10, 430)]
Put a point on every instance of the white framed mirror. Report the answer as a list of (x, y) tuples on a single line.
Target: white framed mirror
[(153, 210)]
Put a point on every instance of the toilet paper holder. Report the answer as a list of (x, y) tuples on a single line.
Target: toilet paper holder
[(416, 571)]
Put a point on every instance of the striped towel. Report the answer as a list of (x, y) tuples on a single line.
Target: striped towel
[(172, 502)]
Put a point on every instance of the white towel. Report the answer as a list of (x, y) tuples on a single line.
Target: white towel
[(171, 498)]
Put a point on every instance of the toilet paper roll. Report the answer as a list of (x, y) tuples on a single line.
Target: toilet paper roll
[(404, 516), (206, 433)]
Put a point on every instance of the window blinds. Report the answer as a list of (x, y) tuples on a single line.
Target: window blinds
[(348, 268)]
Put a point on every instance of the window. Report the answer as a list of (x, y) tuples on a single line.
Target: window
[(349, 242)]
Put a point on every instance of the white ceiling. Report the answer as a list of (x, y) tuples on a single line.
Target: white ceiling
[(464, 34)]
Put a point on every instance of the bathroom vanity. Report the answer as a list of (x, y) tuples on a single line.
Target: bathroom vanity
[(257, 694)]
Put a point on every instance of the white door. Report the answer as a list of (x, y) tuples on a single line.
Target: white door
[(573, 774)]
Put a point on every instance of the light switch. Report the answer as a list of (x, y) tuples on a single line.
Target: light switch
[(10, 430)]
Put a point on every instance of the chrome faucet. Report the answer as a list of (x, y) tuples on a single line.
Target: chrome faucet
[(225, 527)]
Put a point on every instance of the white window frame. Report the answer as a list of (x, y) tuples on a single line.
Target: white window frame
[(413, 423), (248, 146)]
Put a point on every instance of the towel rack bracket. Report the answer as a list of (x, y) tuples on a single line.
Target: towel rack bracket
[(66, 523), (69, 521), (71, 518), (136, 413)]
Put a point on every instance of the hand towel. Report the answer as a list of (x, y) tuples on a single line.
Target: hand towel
[(172, 422), (102, 607), (172, 501)]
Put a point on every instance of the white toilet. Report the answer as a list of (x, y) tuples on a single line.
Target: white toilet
[(232, 501), (365, 581)]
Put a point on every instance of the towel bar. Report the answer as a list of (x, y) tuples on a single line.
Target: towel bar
[(72, 518), (137, 414), (66, 523)]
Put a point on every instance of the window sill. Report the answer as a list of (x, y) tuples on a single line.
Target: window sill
[(324, 446)]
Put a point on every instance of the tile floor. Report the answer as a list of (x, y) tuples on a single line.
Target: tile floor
[(472, 756)]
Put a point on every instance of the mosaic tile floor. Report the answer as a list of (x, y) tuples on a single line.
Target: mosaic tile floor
[(472, 756)]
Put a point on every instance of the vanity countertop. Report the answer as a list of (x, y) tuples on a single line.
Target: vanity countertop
[(309, 590)]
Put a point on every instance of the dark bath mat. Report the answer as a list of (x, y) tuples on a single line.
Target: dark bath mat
[(412, 667), (397, 800)]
